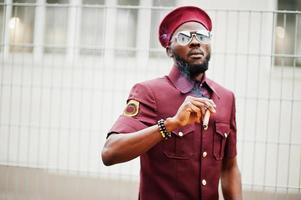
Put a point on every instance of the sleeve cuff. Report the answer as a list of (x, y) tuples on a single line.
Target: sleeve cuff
[(126, 124)]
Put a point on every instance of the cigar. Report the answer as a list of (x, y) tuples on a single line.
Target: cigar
[(206, 119)]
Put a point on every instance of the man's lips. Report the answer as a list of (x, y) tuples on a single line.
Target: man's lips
[(196, 55)]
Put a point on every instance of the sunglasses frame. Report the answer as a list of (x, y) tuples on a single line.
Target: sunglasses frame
[(192, 34)]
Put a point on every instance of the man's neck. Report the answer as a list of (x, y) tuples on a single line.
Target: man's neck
[(199, 77)]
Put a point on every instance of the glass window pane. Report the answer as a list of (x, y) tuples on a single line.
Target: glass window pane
[(24, 1), (126, 25), (298, 43), (287, 43), (56, 29), (57, 1), (157, 16), (2, 23), (92, 31), (125, 35), (91, 2), (128, 2), (21, 27), (166, 3)]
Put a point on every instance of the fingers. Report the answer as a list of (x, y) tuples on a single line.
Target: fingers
[(203, 103), (193, 110), (196, 110)]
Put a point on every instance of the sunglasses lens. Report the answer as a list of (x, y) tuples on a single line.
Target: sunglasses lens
[(183, 39), (203, 38)]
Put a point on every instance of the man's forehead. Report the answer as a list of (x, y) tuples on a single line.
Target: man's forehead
[(190, 26)]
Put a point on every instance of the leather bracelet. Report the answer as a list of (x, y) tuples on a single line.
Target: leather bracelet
[(165, 134)]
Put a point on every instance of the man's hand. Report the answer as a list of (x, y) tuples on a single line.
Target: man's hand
[(193, 110)]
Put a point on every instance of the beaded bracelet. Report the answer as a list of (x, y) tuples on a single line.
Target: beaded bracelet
[(165, 134)]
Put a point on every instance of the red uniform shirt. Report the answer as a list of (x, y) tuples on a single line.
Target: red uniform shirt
[(188, 165)]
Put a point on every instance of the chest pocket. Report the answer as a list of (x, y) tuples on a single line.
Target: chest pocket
[(181, 145), (222, 131)]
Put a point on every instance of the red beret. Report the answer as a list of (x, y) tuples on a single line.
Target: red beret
[(179, 16)]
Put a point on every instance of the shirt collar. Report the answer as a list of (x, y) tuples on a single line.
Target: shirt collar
[(184, 84)]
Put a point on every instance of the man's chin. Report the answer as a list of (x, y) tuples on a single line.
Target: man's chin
[(195, 70), (197, 62)]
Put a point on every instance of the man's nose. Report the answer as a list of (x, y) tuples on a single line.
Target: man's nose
[(194, 42)]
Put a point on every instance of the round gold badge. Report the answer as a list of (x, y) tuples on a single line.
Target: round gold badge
[(132, 108)]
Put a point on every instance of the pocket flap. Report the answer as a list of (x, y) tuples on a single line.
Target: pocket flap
[(178, 157), (222, 129), (180, 132)]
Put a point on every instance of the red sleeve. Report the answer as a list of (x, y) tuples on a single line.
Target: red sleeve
[(230, 150), (146, 116)]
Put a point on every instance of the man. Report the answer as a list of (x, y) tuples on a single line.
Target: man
[(163, 121)]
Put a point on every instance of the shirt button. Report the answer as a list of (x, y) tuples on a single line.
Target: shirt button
[(204, 182), (226, 135), (181, 134), (204, 154)]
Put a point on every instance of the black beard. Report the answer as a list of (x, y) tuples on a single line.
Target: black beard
[(191, 70)]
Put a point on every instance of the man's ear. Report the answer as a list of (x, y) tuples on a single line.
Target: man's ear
[(169, 52)]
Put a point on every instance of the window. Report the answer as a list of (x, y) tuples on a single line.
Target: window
[(128, 2), (57, 1), (94, 2), (157, 16), (56, 29), (92, 31), (126, 28), (2, 24), (288, 34), (21, 27), (94, 22)]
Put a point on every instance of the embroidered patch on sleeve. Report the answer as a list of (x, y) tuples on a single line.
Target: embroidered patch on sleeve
[(132, 108)]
